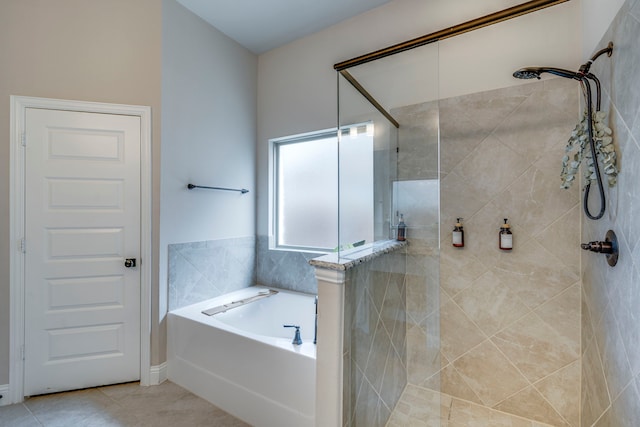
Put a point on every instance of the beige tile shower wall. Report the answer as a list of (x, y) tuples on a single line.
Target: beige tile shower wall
[(611, 296), (509, 321), (374, 340), (416, 196)]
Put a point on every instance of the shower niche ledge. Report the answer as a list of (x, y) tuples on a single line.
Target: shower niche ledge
[(345, 260)]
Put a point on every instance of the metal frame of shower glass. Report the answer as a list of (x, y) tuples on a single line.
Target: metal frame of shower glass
[(465, 27)]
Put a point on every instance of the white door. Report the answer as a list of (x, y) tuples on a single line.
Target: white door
[(82, 220)]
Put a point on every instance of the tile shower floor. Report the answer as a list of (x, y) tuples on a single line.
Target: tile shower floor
[(129, 405), (122, 405), (420, 407)]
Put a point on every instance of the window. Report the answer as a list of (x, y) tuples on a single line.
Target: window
[(305, 189)]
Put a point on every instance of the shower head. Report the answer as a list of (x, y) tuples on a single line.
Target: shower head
[(526, 74), (534, 73)]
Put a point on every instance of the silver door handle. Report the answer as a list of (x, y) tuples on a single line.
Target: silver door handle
[(130, 262)]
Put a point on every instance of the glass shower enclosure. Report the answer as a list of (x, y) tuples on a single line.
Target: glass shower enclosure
[(389, 173)]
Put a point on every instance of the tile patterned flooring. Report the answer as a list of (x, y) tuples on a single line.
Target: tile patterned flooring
[(123, 405), (129, 405), (421, 407)]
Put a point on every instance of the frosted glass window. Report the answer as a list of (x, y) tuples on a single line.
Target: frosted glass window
[(305, 186), (356, 189)]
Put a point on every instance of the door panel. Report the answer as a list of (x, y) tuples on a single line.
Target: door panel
[(82, 214), (85, 194)]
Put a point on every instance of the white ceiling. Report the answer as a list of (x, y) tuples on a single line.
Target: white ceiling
[(261, 25)]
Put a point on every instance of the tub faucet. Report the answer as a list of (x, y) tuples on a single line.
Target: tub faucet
[(296, 339), (315, 331)]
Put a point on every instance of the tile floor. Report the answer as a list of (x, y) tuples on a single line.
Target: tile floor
[(421, 407), (129, 405), (123, 405)]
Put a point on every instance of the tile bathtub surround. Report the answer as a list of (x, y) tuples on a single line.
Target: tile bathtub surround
[(611, 296), (203, 270), (509, 324), (284, 269)]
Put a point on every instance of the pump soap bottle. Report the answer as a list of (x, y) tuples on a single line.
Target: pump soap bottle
[(505, 237), (402, 229), (458, 234)]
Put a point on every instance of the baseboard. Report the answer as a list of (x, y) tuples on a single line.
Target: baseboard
[(158, 374), (4, 392)]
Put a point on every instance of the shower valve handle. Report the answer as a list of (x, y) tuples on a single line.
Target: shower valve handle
[(598, 247), (296, 339), (609, 247)]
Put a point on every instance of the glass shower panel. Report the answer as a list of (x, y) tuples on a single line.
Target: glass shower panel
[(366, 140), (356, 200), (392, 337)]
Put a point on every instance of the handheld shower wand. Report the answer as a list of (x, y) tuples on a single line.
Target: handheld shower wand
[(583, 76)]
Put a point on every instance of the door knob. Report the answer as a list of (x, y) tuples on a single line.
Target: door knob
[(130, 262)]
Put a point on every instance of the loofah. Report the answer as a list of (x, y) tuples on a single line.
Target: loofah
[(578, 144)]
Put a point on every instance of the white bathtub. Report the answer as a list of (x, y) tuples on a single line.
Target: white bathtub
[(243, 360)]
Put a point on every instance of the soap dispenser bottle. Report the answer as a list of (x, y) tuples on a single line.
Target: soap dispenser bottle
[(458, 234), (402, 230), (505, 237)]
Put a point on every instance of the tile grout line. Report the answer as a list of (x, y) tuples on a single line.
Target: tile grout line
[(479, 405), (550, 404), (32, 414), (600, 366)]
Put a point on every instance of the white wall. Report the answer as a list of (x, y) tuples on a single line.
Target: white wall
[(297, 84), (209, 133), (102, 51), (596, 18)]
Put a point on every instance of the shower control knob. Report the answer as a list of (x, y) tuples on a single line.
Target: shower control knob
[(598, 247), (609, 247), (130, 262)]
